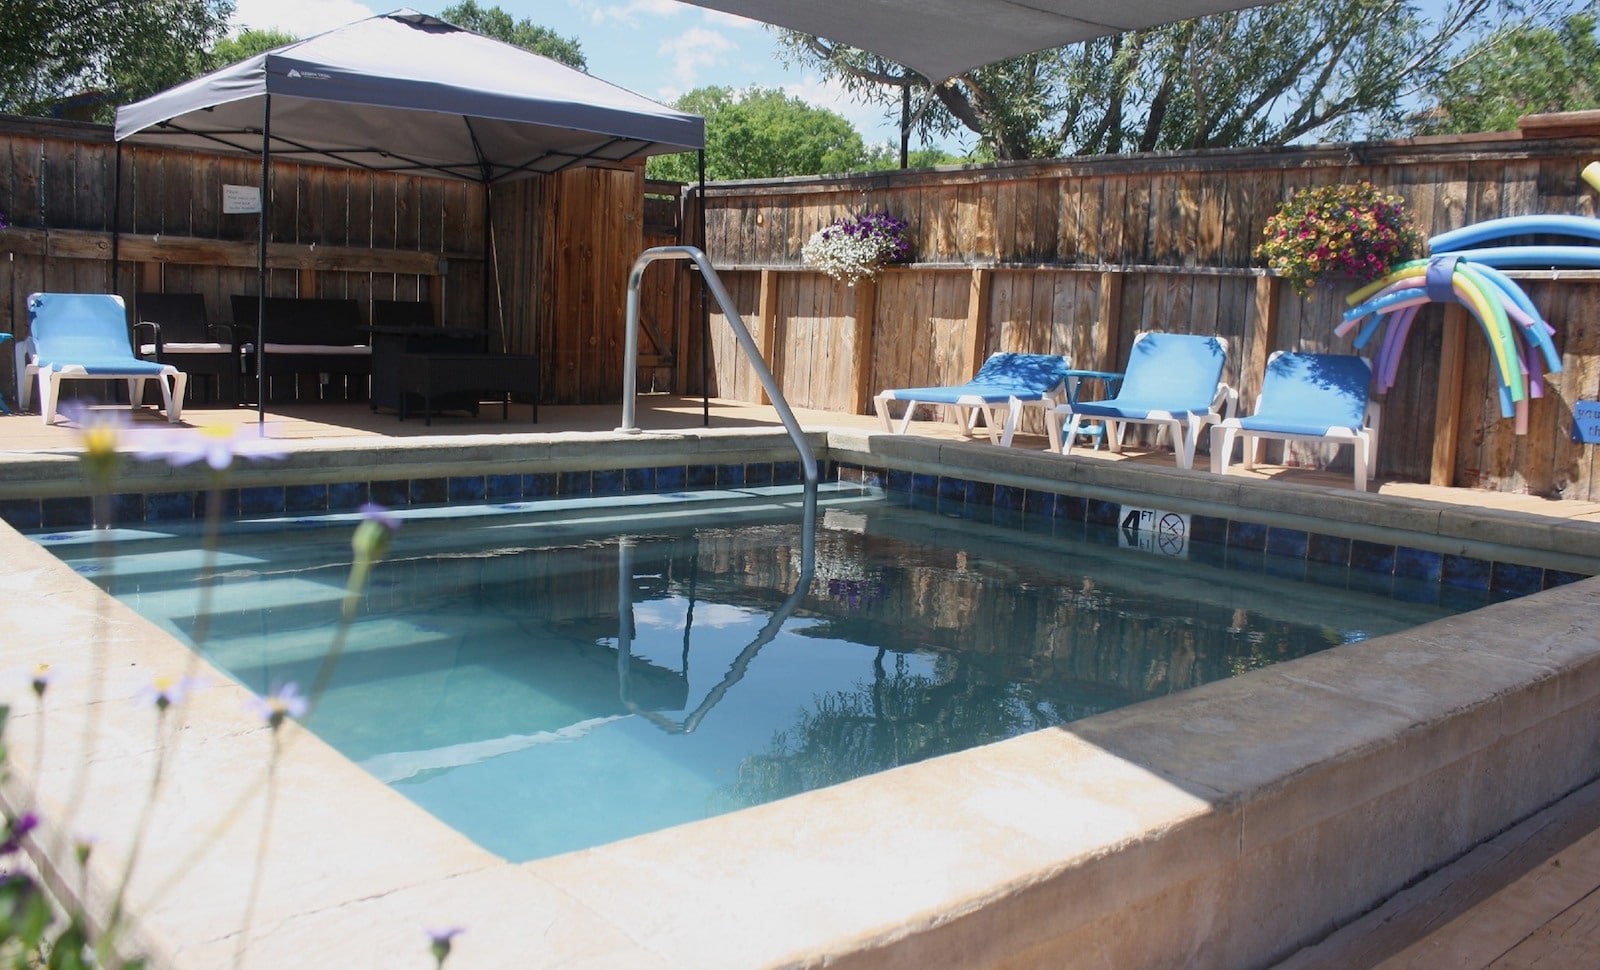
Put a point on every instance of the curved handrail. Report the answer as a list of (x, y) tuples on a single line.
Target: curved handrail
[(630, 375)]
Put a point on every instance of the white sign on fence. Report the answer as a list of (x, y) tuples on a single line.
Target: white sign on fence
[(238, 199), (1153, 530)]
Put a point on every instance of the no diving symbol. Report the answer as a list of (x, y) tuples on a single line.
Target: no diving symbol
[(1170, 534)]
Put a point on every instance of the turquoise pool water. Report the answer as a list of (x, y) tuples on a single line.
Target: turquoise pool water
[(549, 680)]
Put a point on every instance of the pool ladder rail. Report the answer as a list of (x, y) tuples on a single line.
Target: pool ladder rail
[(630, 373)]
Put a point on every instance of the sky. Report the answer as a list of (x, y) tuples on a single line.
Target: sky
[(658, 48)]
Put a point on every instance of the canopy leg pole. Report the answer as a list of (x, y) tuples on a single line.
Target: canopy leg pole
[(261, 264), (116, 211), (705, 309)]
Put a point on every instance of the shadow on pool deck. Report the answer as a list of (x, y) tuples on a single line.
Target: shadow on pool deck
[(1528, 897)]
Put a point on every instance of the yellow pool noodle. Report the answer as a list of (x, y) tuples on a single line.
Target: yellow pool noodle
[(1591, 174)]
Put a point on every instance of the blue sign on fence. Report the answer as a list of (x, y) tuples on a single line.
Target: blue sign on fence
[(1586, 422)]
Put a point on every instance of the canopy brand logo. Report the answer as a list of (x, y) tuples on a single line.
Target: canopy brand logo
[(312, 75)]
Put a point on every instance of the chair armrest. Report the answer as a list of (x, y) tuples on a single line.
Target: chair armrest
[(155, 334), (1226, 401)]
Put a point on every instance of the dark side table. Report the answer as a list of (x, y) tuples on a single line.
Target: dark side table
[(479, 375), (389, 343)]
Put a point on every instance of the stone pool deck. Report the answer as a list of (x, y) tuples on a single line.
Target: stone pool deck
[(1237, 825)]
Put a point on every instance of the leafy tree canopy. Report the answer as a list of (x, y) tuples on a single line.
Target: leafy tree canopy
[(249, 43), (1518, 70), (496, 23), (1263, 76), (51, 50), (763, 133)]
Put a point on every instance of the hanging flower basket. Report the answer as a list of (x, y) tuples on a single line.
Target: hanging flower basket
[(1336, 232), (855, 249)]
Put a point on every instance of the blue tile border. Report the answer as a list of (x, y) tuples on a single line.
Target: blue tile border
[(1234, 543), (1402, 572)]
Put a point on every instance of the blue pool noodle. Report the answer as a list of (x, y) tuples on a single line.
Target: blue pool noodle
[(1582, 227)]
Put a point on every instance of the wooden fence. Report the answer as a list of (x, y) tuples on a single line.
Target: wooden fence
[(1076, 256), (559, 246), (1071, 256)]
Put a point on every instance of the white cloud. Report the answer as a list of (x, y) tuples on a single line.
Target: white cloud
[(669, 615), (628, 13), (870, 119), (693, 50), (302, 18)]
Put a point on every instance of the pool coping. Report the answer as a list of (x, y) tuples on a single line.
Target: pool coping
[(1177, 831)]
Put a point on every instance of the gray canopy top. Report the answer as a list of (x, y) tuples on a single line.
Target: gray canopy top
[(408, 93), (942, 38)]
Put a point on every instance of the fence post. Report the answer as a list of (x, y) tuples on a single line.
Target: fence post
[(866, 317), (978, 318), (767, 320), (1447, 411), (1108, 322), (1263, 337)]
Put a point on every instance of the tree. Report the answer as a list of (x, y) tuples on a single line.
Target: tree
[(763, 133), (249, 43), (496, 23), (1263, 76), (1518, 70), (51, 50)]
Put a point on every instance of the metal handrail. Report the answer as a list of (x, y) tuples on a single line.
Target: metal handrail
[(630, 376)]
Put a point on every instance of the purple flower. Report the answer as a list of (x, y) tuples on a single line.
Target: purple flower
[(378, 526), (41, 679), (163, 692), (15, 830), (218, 446), (99, 431), (439, 942), (285, 702)]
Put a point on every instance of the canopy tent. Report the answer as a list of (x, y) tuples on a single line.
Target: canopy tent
[(942, 38), (407, 93)]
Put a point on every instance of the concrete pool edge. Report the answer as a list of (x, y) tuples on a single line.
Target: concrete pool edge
[(1220, 827)]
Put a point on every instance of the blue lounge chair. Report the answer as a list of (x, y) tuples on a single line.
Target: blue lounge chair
[(1173, 380), (1307, 397), (84, 336), (1012, 381)]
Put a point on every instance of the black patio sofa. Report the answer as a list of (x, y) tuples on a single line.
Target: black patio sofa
[(326, 338)]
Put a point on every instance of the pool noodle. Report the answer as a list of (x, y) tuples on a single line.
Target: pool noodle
[(1536, 257), (1399, 330), (1471, 289), (1508, 345), (1516, 303), (1540, 328), (1460, 240), (1493, 299)]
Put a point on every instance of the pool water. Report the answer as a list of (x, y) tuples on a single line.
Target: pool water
[(546, 684)]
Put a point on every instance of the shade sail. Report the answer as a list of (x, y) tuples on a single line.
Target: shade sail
[(942, 38), (405, 92)]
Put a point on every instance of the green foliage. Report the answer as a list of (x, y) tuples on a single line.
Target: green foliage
[(763, 133), (496, 23), (249, 43), (884, 157), (124, 50), (1520, 69), (1267, 75)]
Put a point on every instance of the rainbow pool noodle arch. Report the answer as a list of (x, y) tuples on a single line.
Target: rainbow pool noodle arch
[(1502, 309)]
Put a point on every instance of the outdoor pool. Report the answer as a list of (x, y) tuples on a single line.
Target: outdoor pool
[(547, 676)]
